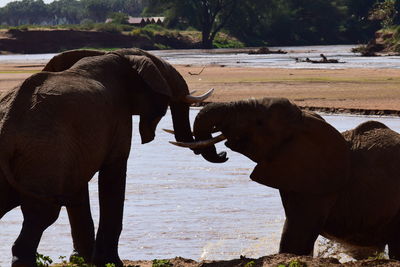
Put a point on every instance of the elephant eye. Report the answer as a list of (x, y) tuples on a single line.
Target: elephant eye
[(259, 122)]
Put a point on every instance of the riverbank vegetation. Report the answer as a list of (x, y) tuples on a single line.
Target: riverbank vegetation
[(252, 22)]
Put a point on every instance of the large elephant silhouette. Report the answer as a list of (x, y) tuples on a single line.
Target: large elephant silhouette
[(62, 125), (345, 187)]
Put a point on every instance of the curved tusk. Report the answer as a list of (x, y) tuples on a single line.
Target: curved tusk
[(200, 144), (197, 99), (192, 92), (169, 131), (173, 132)]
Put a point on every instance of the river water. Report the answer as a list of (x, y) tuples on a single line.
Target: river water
[(239, 58), (178, 204)]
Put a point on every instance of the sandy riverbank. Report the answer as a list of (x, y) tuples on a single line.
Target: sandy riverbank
[(343, 90)]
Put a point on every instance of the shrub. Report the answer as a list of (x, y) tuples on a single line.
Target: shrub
[(108, 27), (161, 263), (43, 261)]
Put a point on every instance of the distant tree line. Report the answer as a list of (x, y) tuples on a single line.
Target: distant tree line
[(27, 12), (254, 22), (280, 22)]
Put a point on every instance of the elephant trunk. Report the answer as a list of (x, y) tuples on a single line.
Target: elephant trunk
[(209, 119), (181, 122)]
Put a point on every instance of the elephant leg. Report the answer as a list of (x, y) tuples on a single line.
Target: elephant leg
[(9, 198), (394, 245), (112, 179), (82, 227), (38, 215), (305, 217)]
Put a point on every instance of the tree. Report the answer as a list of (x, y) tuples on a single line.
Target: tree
[(119, 18), (213, 17), (396, 19), (385, 12), (209, 16), (25, 12), (66, 11), (97, 10)]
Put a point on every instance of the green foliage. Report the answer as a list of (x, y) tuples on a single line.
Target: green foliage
[(224, 41), (77, 260), (296, 263), (108, 27), (119, 18), (253, 22), (293, 263), (273, 22), (161, 263), (379, 256), (250, 264), (43, 261), (162, 46), (66, 11), (385, 12), (209, 16), (142, 33)]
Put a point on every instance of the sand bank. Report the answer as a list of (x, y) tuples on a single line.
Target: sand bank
[(342, 90)]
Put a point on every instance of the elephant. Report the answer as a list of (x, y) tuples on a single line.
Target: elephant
[(343, 186), (71, 120)]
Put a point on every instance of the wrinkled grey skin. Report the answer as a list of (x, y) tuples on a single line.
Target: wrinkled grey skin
[(345, 186), (58, 128)]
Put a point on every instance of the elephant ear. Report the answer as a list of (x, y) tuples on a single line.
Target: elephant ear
[(150, 74), (67, 59), (315, 160)]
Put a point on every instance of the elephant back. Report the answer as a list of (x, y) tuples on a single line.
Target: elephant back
[(373, 137), (372, 197)]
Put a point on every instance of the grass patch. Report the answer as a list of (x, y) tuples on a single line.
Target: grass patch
[(161, 263), (223, 40), (18, 71)]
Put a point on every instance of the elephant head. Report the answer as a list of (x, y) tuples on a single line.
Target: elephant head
[(294, 150), (159, 75)]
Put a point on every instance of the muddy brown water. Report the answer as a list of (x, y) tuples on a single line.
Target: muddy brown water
[(177, 204)]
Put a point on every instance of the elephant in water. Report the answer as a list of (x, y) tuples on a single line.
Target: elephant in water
[(62, 125), (345, 187)]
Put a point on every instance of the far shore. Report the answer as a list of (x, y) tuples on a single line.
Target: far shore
[(362, 91)]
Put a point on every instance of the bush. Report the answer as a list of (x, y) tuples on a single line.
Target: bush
[(142, 33), (224, 41), (154, 28), (161, 263), (87, 24), (108, 27), (43, 261)]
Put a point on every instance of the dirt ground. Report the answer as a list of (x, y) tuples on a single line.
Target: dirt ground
[(277, 260), (365, 91), (343, 90)]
